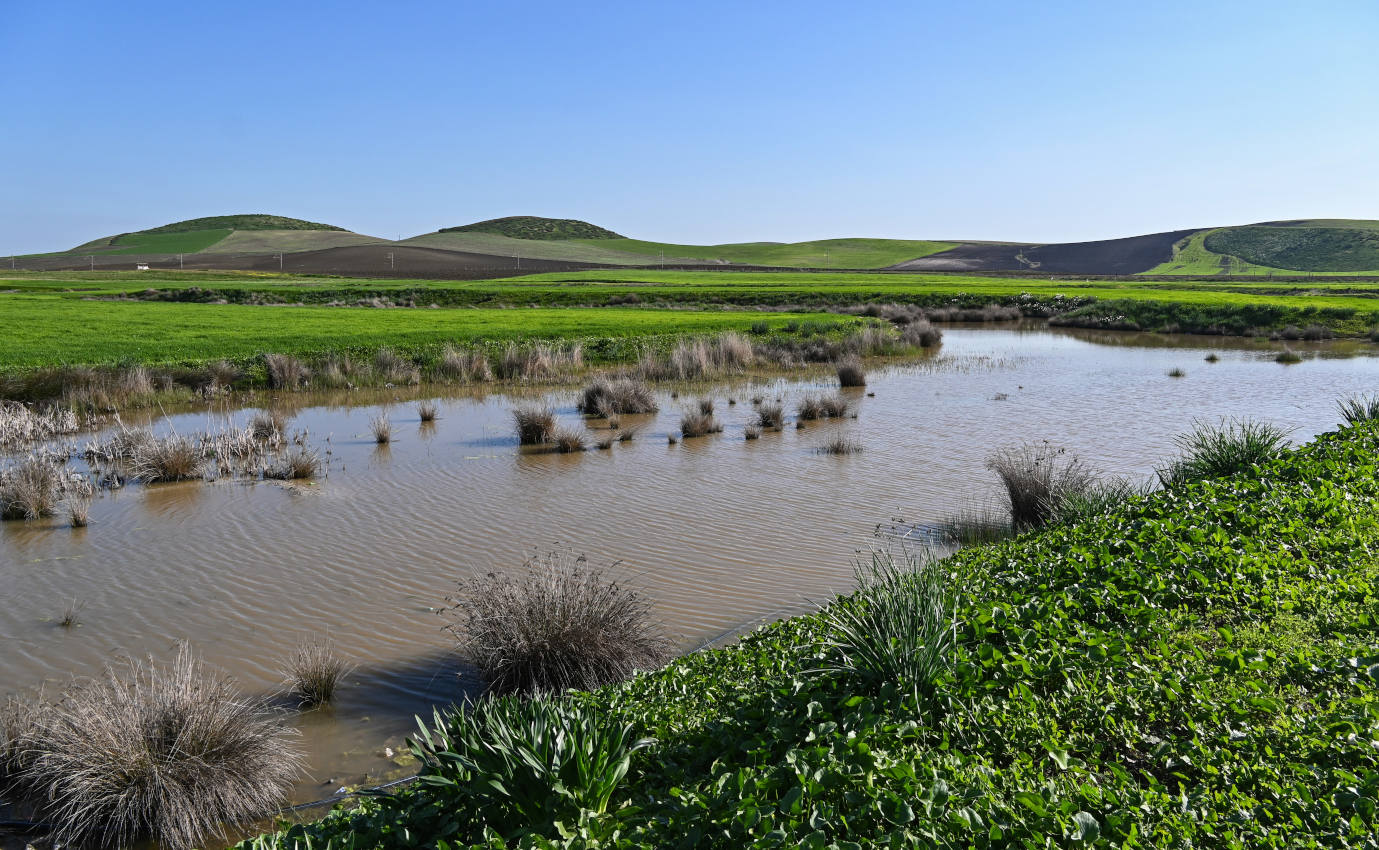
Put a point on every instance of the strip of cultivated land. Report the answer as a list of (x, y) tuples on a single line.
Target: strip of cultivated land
[(1191, 668)]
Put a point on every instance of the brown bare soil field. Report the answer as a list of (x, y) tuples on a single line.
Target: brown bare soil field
[(1131, 255)]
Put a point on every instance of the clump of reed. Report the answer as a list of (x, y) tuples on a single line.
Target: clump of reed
[(71, 614), (839, 445), (427, 410), (851, 374), (1212, 358), (1360, 408), (268, 425), (538, 361), (1176, 372), (609, 396), (394, 369), (30, 489), (1227, 448), (752, 433), (899, 629), (974, 527), (770, 415), (1038, 478), (700, 358), (313, 673), (534, 425), (627, 436), (21, 424), (459, 365), (988, 313), (170, 754), (285, 372), (78, 503), (554, 625), (382, 429), (921, 334), (604, 444), (568, 440), (808, 408), (171, 458), (827, 407), (298, 464), (697, 423), (1288, 357)]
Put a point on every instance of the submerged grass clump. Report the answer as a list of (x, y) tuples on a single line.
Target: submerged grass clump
[(840, 445), (1231, 447), (30, 489), (851, 373), (568, 440), (427, 411), (171, 458), (534, 425), (151, 752), (771, 416), (610, 396), (313, 673), (298, 464), (697, 423), (1288, 357), (554, 625), (382, 429)]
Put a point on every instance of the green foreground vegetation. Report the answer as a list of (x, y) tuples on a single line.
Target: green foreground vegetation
[(1195, 667)]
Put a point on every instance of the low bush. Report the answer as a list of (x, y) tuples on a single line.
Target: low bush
[(851, 373)]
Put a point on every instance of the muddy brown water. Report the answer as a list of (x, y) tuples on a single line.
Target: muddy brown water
[(722, 533)]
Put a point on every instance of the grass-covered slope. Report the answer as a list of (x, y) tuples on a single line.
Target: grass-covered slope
[(822, 253), (199, 234), (1195, 668), (256, 221), (536, 228), (1313, 246)]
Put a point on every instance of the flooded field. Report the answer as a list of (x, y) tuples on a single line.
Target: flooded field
[(721, 532)]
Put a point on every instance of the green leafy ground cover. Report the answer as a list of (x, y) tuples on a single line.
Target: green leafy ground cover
[(170, 242), (1324, 247), (536, 228), (1195, 668)]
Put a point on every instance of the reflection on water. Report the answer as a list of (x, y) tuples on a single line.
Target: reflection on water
[(720, 531)]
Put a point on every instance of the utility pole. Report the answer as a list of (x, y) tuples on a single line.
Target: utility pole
[(390, 261), (825, 258), (179, 262), (516, 255), (663, 258), (92, 258), (280, 262)]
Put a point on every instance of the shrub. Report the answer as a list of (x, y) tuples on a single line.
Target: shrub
[(313, 672), (555, 625), (1288, 357), (173, 458), (1037, 479), (696, 423), (284, 372), (524, 765), (760, 327), (534, 425), (851, 374), (30, 489), (170, 754), (899, 629), (605, 397), (1215, 451), (1357, 409)]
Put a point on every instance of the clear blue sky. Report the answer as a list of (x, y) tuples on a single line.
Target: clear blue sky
[(691, 122)]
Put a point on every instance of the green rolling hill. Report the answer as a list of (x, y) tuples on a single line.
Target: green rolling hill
[(270, 233), (1310, 246)]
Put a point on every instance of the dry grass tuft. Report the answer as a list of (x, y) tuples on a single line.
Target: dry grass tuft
[(752, 433), (555, 625), (164, 753), (313, 673), (851, 374), (1288, 356), (284, 371), (427, 411), (298, 464), (607, 397), (697, 423), (770, 416), (268, 425), (172, 458), (31, 489), (839, 445), (568, 440), (534, 425), (1038, 479), (382, 429), (809, 408)]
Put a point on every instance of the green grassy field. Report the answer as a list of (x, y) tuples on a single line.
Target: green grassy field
[(64, 319), (174, 242), (48, 330)]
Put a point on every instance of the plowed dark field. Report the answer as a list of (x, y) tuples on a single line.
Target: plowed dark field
[(1131, 255)]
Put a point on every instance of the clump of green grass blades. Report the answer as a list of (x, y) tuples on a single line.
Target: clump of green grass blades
[(1360, 408), (1228, 448), (897, 631), (527, 764)]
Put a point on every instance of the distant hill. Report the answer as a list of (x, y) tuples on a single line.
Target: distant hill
[(535, 228), (196, 235)]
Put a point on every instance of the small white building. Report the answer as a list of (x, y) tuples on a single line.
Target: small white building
[(141, 267)]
